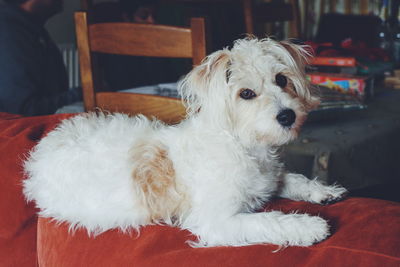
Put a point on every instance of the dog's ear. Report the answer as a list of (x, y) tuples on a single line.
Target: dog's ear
[(300, 53), (205, 81), (314, 100)]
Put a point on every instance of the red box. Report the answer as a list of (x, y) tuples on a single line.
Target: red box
[(334, 61)]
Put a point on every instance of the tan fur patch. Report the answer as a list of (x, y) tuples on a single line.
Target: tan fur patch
[(311, 103), (290, 89), (155, 176)]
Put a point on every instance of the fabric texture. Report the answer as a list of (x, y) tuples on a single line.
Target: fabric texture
[(365, 232), (18, 219)]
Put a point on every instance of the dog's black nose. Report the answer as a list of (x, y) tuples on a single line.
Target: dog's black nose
[(286, 117)]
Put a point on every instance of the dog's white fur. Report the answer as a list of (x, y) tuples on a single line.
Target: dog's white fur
[(209, 174)]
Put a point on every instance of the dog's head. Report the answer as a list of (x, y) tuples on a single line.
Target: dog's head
[(257, 90)]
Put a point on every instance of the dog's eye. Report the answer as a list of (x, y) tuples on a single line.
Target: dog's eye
[(247, 94), (281, 80)]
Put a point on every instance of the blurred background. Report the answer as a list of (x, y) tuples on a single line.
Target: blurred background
[(352, 138)]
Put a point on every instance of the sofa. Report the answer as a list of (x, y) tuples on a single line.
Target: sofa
[(365, 231)]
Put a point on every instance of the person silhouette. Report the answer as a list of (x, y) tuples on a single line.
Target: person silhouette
[(33, 77)]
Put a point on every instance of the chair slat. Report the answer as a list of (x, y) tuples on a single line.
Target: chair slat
[(132, 39), (85, 61), (169, 110), (198, 40)]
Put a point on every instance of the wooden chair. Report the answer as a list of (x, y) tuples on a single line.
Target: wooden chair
[(135, 40), (264, 12)]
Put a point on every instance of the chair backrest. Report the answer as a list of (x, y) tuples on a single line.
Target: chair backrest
[(264, 12), (135, 40)]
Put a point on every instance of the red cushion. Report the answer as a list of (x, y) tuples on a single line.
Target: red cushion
[(366, 233), (17, 218)]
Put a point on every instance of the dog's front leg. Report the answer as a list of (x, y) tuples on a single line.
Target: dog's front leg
[(219, 216), (298, 187), (267, 227)]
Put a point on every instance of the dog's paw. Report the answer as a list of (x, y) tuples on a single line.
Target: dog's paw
[(299, 187), (309, 230), (327, 194)]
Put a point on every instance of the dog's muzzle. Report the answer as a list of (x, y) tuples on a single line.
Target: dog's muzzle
[(286, 117)]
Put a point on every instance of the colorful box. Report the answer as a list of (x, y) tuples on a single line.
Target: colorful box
[(358, 86)]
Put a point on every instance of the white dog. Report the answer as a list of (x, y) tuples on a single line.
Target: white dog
[(209, 174)]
